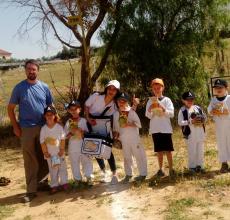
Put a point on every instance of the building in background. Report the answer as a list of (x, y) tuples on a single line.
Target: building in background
[(5, 55)]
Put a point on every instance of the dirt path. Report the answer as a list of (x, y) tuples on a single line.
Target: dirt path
[(203, 196)]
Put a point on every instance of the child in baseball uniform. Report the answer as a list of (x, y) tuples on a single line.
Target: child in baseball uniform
[(52, 139), (219, 108), (74, 129), (191, 118), (159, 109), (126, 127)]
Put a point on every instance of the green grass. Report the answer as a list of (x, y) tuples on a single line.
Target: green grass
[(177, 209), (217, 182), (6, 211)]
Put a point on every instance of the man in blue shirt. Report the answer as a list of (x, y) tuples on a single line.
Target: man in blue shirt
[(32, 96)]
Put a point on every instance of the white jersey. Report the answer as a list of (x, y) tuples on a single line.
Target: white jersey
[(52, 138), (197, 132), (128, 133), (160, 124), (74, 142), (96, 105), (225, 104)]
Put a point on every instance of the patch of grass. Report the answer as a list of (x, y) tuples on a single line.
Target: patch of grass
[(212, 184), (6, 211), (177, 208), (211, 152), (105, 200)]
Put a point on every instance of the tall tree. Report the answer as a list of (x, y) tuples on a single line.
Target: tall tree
[(78, 19), (165, 39)]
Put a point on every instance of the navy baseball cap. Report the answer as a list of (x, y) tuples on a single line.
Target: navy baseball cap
[(124, 96), (188, 95), (74, 103), (50, 108), (220, 83)]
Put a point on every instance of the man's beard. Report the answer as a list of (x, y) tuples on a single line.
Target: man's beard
[(32, 76)]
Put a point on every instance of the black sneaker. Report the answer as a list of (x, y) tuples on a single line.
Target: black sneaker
[(43, 186), (172, 173), (127, 179), (139, 178), (28, 197), (160, 173), (224, 167), (199, 169)]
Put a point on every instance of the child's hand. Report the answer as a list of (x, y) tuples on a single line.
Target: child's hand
[(91, 121), (130, 124), (150, 108), (78, 132), (69, 135), (47, 155), (115, 135), (61, 152), (225, 112), (216, 112)]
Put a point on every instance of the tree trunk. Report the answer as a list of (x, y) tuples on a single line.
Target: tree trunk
[(85, 87)]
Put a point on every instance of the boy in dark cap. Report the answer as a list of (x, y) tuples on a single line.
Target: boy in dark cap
[(192, 118), (219, 108), (127, 124)]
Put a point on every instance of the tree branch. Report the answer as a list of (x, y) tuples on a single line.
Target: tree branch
[(75, 32), (109, 45)]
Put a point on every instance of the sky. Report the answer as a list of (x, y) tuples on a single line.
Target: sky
[(26, 46)]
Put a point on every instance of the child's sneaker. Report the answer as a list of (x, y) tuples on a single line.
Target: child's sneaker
[(224, 168), (114, 180), (139, 178), (53, 190), (172, 173), (65, 187), (199, 169), (126, 179), (160, 173), (89, 181), (104, 176)]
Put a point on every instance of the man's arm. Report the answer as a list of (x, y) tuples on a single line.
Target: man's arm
[(11, 114)]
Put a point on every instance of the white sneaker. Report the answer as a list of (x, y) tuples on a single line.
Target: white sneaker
[(104, 177), (114, 180)]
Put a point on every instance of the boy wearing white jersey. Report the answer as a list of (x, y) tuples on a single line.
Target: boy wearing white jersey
[(192, 118), (159, 110), (75, 128), (126, 127), (52, 139), (219, 108)]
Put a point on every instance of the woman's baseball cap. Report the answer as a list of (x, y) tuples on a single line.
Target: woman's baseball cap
[(114, 83), (157, 81)]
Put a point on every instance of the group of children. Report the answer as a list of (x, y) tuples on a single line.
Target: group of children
[(126, 124)]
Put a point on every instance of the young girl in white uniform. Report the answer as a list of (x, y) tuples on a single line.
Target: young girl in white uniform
[(192, 118), (126, 128), (75, 127), (159, 110), (219, 108), (52, 139)]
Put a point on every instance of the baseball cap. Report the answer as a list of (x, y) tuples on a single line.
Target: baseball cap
[(124, 96), (114, 83), (73, 103), (157, 81), (50, 108), (188, 95), (219, 83)]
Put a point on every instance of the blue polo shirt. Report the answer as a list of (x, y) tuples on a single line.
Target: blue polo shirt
[(32, 99)]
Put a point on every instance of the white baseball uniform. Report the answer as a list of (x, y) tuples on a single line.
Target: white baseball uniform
[(56, 134), (195, 141), (131, 144), (222, 125), (75, 155)]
